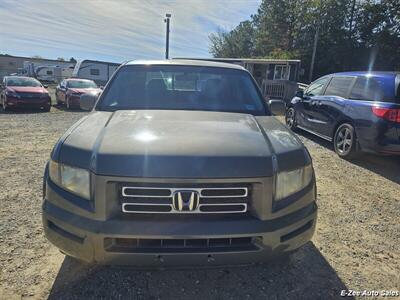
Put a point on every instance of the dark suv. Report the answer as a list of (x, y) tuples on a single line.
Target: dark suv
[(180, 162), (355, 110)]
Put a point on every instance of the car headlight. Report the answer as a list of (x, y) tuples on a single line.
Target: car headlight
[(75, 180), (288, 183), (12, 94)]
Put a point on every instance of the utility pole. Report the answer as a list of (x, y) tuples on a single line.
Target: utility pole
[(166, 20), (313, 53)]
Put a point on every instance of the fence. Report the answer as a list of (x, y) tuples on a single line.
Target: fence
[(280, 89)]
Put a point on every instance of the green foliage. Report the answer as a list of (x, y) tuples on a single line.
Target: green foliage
[(353, 34), (238, 42)]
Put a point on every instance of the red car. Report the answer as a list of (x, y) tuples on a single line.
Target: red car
[(69, 91), (25, 92)]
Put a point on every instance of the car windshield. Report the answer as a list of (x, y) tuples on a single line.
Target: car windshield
[(182, 88), (81, 84), (19, 81)]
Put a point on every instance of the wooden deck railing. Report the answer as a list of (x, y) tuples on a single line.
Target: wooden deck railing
[(280, 89)]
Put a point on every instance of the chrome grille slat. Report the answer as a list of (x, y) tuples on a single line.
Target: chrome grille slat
[(125, 188), (236, 199), (172, 190)]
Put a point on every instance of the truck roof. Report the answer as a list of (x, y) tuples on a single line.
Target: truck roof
[(186, 62)]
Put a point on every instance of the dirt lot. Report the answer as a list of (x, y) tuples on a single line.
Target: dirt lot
[(356, 245)]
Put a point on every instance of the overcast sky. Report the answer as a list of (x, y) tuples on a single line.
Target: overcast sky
[(115, 30)]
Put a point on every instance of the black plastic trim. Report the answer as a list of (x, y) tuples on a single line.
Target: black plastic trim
[(296, 232), (65, 233)]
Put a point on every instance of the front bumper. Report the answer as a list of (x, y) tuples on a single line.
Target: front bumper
[(74, 101), (80, 233), (28, 103), (86, 239)]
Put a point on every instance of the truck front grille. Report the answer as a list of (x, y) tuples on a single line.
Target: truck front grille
[(133, 245), (184, 200)]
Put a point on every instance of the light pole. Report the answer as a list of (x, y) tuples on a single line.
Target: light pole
[(166, 20), (313, 54)]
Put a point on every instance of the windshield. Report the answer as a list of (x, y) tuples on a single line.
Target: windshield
[(81, 84), (20, 81), (182, 88)]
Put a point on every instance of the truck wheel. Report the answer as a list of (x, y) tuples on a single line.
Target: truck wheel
[(345, 141)]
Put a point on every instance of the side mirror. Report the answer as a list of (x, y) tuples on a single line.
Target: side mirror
[(88, 101), (45, 86), (300, 94), (277, 107), (102, 87)]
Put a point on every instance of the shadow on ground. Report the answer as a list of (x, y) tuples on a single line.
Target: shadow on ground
[(305, 275), (21, 111), (386, 166), (64, 108)]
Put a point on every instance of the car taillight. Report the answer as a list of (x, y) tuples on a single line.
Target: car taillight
[(391, 114)]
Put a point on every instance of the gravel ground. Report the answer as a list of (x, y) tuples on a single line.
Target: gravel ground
[(356, 245)]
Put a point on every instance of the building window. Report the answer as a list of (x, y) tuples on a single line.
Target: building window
[(281, 72), (95, 72)]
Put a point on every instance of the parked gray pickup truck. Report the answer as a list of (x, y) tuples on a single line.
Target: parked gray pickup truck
[(179, 163)]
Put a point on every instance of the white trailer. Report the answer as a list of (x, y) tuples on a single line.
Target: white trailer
[(53, 73), (98, 71)]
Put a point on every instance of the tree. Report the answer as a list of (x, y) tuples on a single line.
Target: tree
[(378, 27), (60, 59), (352, 34), (239, 42)]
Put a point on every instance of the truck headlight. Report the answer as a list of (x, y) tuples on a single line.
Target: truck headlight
[(75, 180), (288, 183)]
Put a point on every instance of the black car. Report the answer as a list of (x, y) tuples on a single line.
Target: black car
[(357, 111)]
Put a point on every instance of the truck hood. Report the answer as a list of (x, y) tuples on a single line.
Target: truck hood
[(188, 144)]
